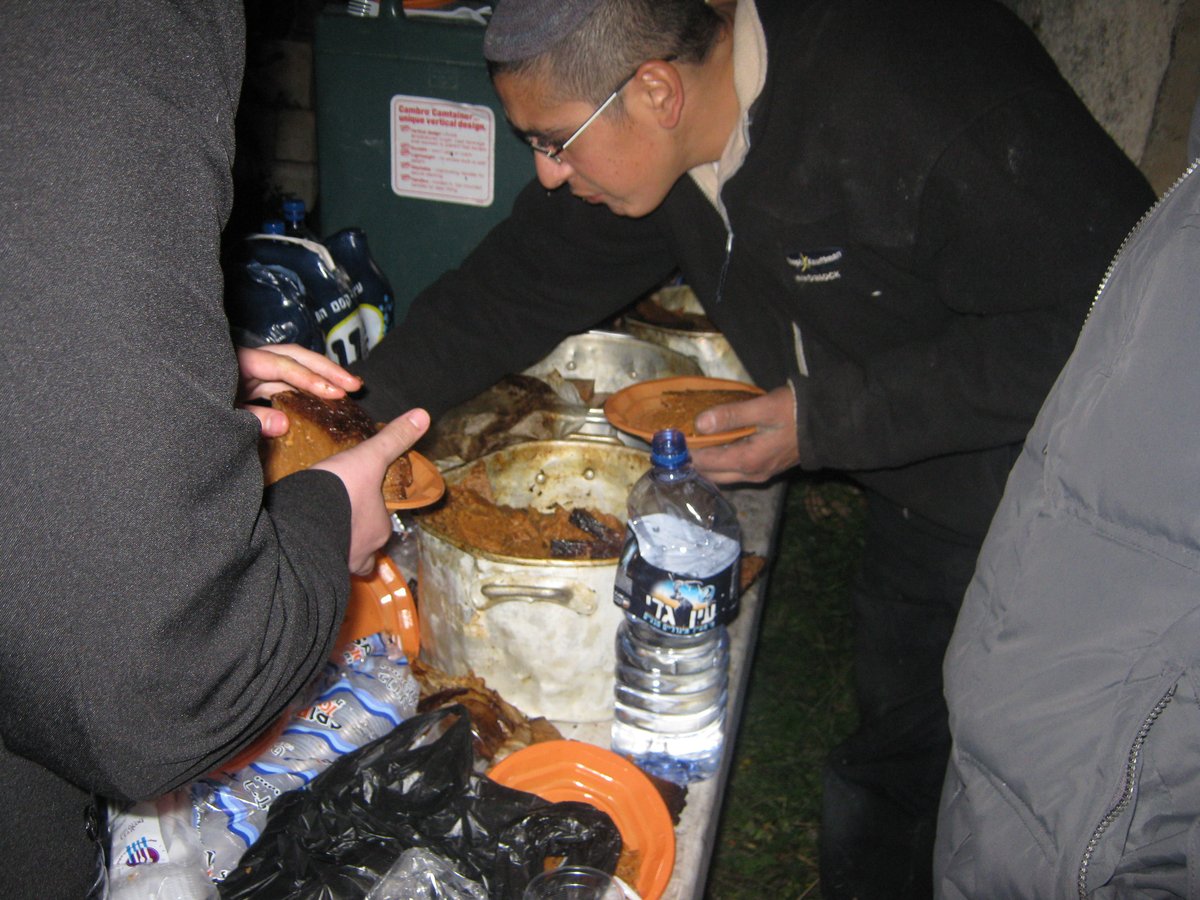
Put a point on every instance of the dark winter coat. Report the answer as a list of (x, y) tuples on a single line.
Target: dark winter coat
[(155, 612)]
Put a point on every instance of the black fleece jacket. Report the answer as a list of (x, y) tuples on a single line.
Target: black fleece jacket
[(918, 228)]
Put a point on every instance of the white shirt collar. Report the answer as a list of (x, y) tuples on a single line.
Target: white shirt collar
[(749, 76)]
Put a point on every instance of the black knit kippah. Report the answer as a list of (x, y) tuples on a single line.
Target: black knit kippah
[(522, 29)]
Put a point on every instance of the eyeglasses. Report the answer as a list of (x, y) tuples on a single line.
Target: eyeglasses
[(553, 149)]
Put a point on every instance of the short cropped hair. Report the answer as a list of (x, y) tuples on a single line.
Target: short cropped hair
[(616, 38)]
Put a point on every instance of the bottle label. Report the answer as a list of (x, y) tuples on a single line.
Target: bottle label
[(672, 602)]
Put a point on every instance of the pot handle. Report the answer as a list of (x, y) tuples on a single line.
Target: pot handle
[(495, 594)]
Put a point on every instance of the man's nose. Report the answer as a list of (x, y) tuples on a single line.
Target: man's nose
[(550, 173)]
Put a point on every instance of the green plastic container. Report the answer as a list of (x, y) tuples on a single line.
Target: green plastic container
[(413, 146)]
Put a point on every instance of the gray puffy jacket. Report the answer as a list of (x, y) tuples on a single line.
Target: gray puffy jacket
[(1074, 671)]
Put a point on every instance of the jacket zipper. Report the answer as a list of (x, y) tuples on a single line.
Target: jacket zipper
[(725, 264), (1195, 164), (1127, 781)]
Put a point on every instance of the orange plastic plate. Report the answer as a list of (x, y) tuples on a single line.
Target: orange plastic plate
[(575, 770), (634, 408), (427, 485), (380, 603)]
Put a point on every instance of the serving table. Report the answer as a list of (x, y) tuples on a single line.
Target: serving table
[(759, 510)]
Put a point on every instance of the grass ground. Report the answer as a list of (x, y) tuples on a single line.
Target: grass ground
[(798, 703)]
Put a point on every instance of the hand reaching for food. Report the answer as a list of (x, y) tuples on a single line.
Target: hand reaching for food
[(271, 368)]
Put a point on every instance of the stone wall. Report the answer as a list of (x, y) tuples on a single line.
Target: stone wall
[(1166, 149), (1134, 63), (276, 123)]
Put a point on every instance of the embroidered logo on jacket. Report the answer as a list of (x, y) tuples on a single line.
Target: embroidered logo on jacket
[(816, 266)]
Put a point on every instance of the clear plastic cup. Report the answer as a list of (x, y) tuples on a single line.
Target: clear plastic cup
[(574, 883)]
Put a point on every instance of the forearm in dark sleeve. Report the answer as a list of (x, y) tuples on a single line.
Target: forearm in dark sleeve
[(156, 613), (556, 267)]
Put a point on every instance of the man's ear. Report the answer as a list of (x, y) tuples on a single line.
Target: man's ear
[(660, 89)]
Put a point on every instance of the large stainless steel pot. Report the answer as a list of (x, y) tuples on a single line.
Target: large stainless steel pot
[(710, 349), (611, 361), (541, 631)]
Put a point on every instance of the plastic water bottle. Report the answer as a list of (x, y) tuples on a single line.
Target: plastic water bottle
[(353, 702), (358, 705), (329, 292), (678, 582), (295, 214), (376, 299), (156, 852), (230, 810)]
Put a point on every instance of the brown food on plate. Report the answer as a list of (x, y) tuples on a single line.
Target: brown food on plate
[(629, 864), (678, 409), (498, 727), (470, 515), (673, 795), (317, 430)]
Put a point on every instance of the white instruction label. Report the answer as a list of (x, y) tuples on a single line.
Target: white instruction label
[(443, 151)]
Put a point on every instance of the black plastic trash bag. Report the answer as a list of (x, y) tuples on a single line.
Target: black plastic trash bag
[(414, 787), (570, 830)]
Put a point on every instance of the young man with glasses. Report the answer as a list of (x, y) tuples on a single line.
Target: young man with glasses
[(895, 211)]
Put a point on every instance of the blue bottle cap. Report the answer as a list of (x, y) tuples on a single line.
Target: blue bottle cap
[(273, 226), (669, 449), (293, 208)]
